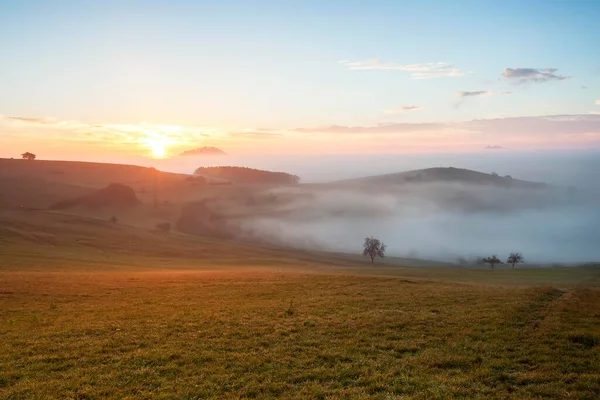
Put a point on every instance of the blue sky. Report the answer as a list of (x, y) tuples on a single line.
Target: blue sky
[(282, 65)]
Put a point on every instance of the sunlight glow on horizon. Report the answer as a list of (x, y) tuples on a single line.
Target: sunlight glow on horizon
[(158, 144)]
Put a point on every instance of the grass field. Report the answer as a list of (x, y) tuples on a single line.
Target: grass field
[(257, 333), (90, 309)]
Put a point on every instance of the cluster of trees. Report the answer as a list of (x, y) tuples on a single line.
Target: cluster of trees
[(248, 175), (28, 156), (513, 258)]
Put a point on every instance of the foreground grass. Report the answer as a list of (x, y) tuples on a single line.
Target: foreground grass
[(244, 333)]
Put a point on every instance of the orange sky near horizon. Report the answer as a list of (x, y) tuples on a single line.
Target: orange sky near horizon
[(74, 140)]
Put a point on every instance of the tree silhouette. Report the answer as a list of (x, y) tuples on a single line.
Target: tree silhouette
[(493, 260), (373, 247), (515, 258), (28, 156)]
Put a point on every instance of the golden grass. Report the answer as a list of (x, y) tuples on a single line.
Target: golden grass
[(255, 333), (90, 309)]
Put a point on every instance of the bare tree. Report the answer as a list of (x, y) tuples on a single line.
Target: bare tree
[(373, 247), (515, 258), (493, 260), (28, 156)]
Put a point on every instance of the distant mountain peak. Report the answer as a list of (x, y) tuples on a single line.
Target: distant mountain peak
[(206, 150)]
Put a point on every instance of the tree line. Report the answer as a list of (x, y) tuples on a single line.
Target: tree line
[(374, 248), (248, 175)]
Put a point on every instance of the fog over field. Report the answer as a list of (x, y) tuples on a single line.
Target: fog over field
[(444, 220), (434, 220), (552, 234)]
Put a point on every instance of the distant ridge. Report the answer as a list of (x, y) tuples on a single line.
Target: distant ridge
[(449, 174), (206, 150)]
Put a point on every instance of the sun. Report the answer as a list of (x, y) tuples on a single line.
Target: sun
[(159, 140), (158, 147)]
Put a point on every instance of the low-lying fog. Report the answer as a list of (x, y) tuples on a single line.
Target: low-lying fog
[(552, 231), (441, 221)]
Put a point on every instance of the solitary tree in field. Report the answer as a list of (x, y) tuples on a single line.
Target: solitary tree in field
[(28, 156), (515, 258), (373, 248), (493, 260)]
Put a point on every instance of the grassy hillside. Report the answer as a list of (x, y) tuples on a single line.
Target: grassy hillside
[(40, 184), (86, 174), (30, 239), (34, 192)]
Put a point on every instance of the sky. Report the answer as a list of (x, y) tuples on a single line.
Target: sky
[(129, 80)]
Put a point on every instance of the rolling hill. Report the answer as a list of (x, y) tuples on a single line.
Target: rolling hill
[(86, 174), (448, 175), (41, 184)]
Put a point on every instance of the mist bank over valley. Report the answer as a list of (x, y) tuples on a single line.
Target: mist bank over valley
[(547, 210), (433, 219)]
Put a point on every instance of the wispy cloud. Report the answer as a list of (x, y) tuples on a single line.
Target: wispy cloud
[(598, 102), (463, 95), (255, 134), (417, 71), (31, 120), (403, 109), (377, 129), (479, 93), (535, 75)]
